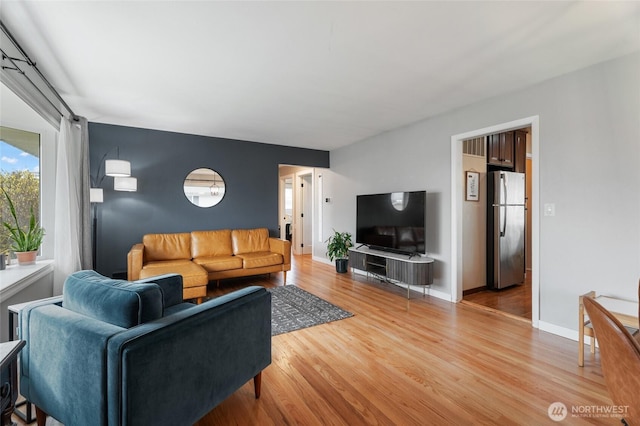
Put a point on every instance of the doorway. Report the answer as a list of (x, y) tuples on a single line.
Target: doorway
[(458, 203), (304, 225), (514, 300), (286, 207), (296, 207)]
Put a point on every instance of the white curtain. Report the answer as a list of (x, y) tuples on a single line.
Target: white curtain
[(72, 208)]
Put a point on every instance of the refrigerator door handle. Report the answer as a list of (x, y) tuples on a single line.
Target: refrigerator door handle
[(504, 201)]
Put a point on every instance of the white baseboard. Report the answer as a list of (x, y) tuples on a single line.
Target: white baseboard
[(544, 326), (559, 331), (322, 260)]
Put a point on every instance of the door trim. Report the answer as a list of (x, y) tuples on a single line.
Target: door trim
[(457, 197), (281, 203)]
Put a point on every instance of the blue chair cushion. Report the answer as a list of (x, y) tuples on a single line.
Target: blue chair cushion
[(116, 302)]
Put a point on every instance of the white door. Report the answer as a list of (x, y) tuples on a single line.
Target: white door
[(302, 242), (306, 214)]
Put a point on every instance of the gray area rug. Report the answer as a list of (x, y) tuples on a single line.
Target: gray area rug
[(293, 308)]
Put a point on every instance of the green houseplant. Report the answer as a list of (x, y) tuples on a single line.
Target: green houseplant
[(338, 246), (25, 242)]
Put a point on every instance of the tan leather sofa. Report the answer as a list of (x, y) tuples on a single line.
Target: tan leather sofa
[(203, 256)]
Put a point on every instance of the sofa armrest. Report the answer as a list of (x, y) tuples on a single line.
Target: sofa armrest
[(135, 257), (171, 286), (283, 247), (63, 366), (206, 352)]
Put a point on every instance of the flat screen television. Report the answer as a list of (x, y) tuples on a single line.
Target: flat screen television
[(392, 222)]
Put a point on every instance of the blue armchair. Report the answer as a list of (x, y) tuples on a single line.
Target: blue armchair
[(112, 352)]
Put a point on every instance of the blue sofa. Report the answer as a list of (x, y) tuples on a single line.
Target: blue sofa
[(112, 352)]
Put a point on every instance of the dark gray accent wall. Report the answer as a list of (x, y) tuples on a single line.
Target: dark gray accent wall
[(160, 161)]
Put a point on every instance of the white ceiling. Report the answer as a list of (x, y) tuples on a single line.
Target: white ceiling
[(308, 74)]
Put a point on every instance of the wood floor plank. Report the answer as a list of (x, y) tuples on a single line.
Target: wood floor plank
[(395, 362), (420, 362)]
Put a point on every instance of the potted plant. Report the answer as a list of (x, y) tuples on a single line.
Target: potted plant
[(25, 243), (338, 248)]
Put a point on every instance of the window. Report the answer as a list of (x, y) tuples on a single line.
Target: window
[(19, 117), (19, 176), (288, 196)]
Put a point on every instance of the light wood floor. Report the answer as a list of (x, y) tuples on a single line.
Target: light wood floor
[(423, 362)]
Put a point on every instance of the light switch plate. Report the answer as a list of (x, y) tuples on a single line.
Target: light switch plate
[(549, 209)]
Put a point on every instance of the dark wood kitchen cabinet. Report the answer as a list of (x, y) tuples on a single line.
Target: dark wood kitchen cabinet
[(520, 151), (500, 150)]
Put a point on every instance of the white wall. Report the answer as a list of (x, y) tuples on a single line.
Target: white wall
[(40, 288), (589, 154), (474, 228)]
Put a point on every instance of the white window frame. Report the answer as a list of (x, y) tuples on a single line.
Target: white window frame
[(31, 121)]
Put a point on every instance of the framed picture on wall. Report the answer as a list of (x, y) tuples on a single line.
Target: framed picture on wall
[(473, 186)]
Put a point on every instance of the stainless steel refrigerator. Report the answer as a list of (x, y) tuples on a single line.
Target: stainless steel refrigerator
[(505, 229)]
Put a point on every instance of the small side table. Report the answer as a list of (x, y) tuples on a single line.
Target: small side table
[(9, 362)]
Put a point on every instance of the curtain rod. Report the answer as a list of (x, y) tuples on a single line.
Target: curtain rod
[(32, 64)]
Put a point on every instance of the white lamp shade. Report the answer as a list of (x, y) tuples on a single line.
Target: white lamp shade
[(96, 195), (129, 184), (117, 168)]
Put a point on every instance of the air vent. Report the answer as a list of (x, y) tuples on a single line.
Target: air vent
[(473, 146)]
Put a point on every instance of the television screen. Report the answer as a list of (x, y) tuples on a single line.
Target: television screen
[(393, 221)]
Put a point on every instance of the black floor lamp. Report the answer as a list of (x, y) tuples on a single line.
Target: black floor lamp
[(96, 197)]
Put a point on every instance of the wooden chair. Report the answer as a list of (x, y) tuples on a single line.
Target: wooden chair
[(637, 335), (587, 329), (620, 359), (625, 311)]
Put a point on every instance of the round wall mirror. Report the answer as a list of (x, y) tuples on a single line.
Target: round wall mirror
[(204, 187)]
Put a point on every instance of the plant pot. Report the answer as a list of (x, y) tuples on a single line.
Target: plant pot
[(342, 265), (26, 257)]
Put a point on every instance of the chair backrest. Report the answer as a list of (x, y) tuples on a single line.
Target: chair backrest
[(620, 358)]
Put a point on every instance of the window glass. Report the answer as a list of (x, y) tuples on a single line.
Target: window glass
[(19, 176), (288, 201)]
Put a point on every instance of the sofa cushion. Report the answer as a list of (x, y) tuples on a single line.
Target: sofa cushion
[(260, 259), (116, 302), (192, 275), (166, 246), (250, 240), (211, 243), (219, 263)]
